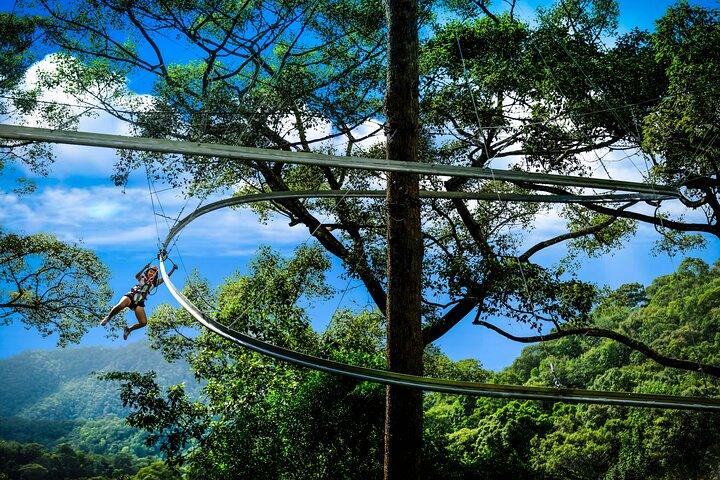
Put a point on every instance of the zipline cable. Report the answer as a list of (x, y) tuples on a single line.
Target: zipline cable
[(152, 203), (165, 248)]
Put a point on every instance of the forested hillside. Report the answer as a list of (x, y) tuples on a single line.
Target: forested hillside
[(54, 396)]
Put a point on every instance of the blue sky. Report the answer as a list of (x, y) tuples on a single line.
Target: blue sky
[(78, 202)]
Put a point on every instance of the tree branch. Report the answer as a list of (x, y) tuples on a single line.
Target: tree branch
[(659, 222), (618, 337), (436, 330), (486, 11), (568, 236)]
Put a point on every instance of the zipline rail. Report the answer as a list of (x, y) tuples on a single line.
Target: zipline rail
[(412, 381), (14, 132)]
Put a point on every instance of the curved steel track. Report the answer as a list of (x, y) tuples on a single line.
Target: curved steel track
[(245, 154), (393, 378)]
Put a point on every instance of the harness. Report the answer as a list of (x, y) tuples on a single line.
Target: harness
[(143, 289)]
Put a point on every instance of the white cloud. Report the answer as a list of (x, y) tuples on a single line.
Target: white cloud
[(82, 161), (105, 217), (102, 216), (74, 213), (77, 160), (367, 134), (371, 133), (122, 235), (549, 222)]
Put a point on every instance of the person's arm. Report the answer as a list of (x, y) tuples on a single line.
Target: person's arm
[(160, 280)]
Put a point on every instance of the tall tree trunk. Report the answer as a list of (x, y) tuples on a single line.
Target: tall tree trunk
[(403, 411)]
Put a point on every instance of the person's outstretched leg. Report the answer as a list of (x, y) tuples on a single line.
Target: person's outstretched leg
[(142, 321), (123, 303)]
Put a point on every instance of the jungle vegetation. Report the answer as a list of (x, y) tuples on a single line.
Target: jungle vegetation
[(261, 418), (564, 94)]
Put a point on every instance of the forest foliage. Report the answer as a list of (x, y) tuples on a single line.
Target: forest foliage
[(677, 313), (494, 88), (262, 418), (32, 461), (67, 403)]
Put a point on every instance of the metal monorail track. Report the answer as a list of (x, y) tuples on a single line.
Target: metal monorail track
[(13, 132), (393, 378)]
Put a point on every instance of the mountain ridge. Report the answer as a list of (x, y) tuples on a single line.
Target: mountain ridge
[(51, 396)]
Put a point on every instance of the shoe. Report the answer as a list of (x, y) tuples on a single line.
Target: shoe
[(104, 321), (126, 332)]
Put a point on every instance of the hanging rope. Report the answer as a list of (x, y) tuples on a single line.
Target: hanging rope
[(152, 204), (154, 195)]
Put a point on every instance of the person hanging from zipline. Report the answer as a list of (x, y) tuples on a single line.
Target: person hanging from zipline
[(147, 280)]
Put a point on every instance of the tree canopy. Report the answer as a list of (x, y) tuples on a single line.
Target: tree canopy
[(51, 286), (32, 462), (566, 94)]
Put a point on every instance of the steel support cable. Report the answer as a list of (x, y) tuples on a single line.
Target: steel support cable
[(14, 132), (400, 379)]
